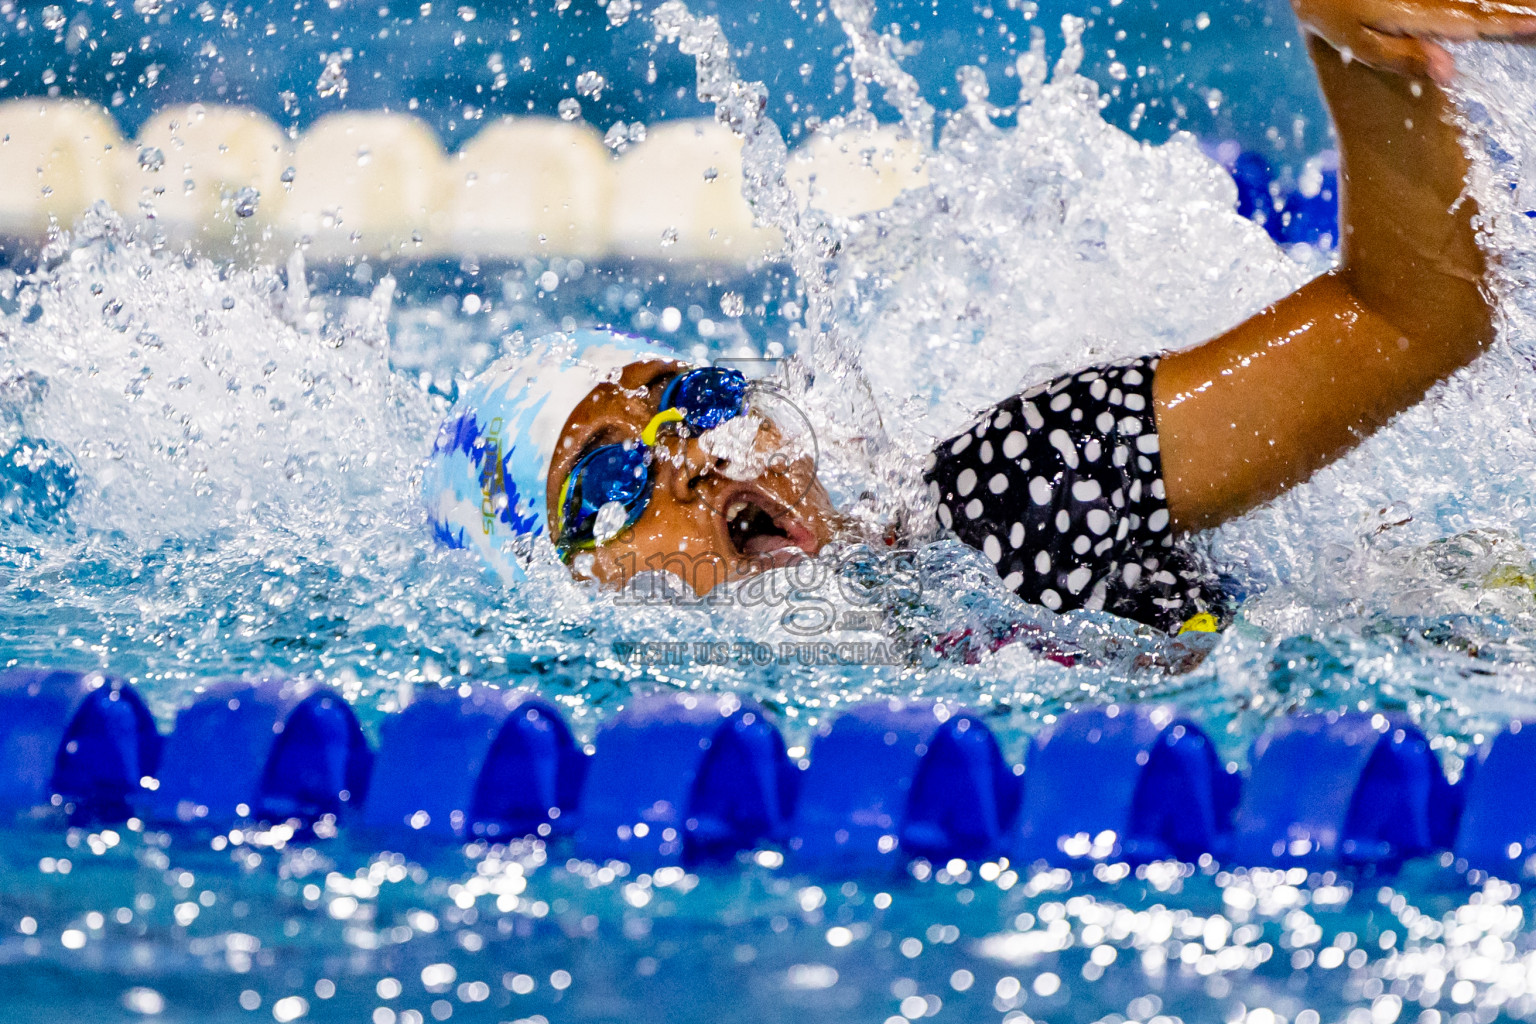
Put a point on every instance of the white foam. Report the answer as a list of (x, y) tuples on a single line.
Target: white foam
[(246, 499), (191, 167), (678, 195), (57, 157), (531, 186), (370, 183)]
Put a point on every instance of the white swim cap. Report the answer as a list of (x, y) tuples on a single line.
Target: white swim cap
[(486, 478)]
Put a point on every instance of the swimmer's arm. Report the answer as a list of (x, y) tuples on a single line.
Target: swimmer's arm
[(1259, 409)]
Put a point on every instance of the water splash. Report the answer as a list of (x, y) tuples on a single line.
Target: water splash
[(208, 470), (1062, 240)]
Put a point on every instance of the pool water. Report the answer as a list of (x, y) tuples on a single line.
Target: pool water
[(211, 471), (341, 933)]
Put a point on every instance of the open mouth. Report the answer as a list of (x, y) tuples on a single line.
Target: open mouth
[(760, 528)]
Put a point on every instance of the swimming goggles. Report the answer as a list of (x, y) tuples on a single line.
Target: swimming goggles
[(700, 399)]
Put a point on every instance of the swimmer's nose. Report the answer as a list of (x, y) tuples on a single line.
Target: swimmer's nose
[(682, 478)]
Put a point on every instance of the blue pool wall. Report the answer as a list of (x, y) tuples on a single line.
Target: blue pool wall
[(687, 778)]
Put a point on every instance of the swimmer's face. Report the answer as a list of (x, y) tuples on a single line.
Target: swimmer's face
[(701, 525)]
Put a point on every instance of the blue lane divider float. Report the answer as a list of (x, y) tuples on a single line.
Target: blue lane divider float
[(891, 780), (1332, 789), (1307, 212), (1251, 173), (270, 751), (679, 778), (487, 763), (80, 741), (1498, 825), (1157, 790)]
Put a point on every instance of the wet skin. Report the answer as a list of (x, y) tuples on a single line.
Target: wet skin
[(1259, 409), (1250, 413), (700, 525)]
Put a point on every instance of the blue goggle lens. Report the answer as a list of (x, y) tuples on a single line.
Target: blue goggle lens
[(614, 472), (707, 397)]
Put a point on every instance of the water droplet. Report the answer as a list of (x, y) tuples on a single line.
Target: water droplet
[(590, 83), (246, 202), (53, 17), (151, 158), (147, 7), (570, 109), (668, 237), (610, 521), (619, 11), (333, 80)]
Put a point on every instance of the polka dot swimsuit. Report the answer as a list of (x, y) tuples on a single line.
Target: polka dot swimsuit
[(1062, 489)]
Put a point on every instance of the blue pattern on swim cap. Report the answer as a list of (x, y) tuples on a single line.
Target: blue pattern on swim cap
[(486, 477)]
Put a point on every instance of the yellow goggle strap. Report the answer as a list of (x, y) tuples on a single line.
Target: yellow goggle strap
[(661, 419)]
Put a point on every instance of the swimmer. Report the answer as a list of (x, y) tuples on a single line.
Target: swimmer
[(1077, 489)]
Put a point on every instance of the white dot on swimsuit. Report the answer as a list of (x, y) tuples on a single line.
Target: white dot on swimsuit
[(1062, 442), (1087, 490)]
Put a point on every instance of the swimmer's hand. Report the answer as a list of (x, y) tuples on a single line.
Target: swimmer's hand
[(1403, 36)]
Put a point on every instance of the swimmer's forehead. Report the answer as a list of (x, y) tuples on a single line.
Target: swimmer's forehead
[(633, 375), (630, 377)]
